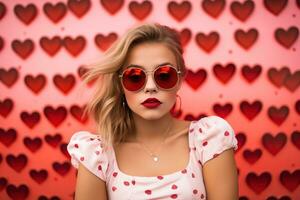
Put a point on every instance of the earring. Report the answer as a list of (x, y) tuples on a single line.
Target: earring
[(176, 113), (123, 101)]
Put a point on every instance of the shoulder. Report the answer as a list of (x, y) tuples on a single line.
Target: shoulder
[(211, 136), (87, 148)]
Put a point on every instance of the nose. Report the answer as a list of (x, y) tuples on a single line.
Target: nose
[(150, 85)]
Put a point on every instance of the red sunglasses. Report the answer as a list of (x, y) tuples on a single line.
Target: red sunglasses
[(135, 78)]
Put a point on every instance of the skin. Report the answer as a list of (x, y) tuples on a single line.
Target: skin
[(219, 174)]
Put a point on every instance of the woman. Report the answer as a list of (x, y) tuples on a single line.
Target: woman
[(141, 151)]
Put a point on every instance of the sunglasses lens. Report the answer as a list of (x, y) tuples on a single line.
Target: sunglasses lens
[(166, 77), (133, 79)]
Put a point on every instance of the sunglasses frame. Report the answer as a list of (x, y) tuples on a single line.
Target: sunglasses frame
[(152, 73)]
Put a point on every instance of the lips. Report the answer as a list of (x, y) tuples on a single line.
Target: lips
[(151, 103)]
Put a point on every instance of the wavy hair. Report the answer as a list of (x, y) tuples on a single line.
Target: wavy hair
[(113, 121)]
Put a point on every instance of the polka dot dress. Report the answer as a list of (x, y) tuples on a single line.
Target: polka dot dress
[(208, 137)]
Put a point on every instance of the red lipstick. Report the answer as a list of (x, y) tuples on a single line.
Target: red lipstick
[(151, 103)]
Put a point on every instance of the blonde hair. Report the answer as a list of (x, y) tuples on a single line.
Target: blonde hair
[(114, 121)]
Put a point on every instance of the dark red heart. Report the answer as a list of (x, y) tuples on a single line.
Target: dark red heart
[(61, 169), (246, 39), (250, 74), (179, 11), (252, 156), (33, 144), (287, 38), (77, 112), (297, 107), (74, 46), (64, 84), (81, 71), (274, 144), (9, 77), (35, 84), (185, 36), (140, 10), (79, 8), (275, 7), (55, 116), (2, 10), (207, 42), (1, 42), (222, 111), (242, 10), (292, 82), (241, 138), (112, 6), (224, 74), (55, 12), (6, 107), (39, 176), (18, 163), (3, 183), (30, 119), (8, 137), (258, 183), (290, 180), (26, 13), (278, 77), (51, 46), (195, 79), (63, 149), (23, 49), (295, 138), (213, 7), (278, 115), (250, 110), (104, 42), (17, 193), (53, 140)]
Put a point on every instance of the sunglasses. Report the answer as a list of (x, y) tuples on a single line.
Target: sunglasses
[(135, 78)]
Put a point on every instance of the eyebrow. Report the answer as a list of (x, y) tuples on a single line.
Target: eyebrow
[(140, 66)]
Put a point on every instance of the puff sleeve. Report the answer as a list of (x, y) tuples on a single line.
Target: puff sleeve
[(213, 135), (85, 148)]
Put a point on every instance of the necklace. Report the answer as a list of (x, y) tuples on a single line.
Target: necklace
[(153, 155)]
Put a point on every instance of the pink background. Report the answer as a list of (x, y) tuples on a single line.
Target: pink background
[(198, 99)]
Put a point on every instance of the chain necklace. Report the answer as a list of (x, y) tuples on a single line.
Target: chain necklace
[(153, 155)]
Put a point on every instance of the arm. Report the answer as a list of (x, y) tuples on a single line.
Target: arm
[(89, 186), (220, 177)]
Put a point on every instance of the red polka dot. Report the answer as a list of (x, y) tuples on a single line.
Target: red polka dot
[(133, 182), (115, 174), (113, 188), (226, 133), (200, 130), (191, 130), (204, 143), (202, 196), (76, 146), (99, 167), (82, 158), (174, 187), (195, 191), (184, 171), (194, 148), (97, 152), (126, 183), (160, 177), (92, 139), (148, 192), (174, 196), (193, 175)]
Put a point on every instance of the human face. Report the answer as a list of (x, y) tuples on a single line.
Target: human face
[(148, 56)]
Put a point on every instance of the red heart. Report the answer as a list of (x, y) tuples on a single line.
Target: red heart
[(36, 84), (23, 49), (79, 8), (64, 84), (195, 79), (2, 10), (77, 112), (6, 107), (250, 74), (250, 110), (112, 6), (258, 183), (26, 14), (276, 6), (61, 169), (3, 182), (30, 119), (179, 11), (104, 42), (33, 144), (191, 117), (213, 7), (17, 162), (222, 111), (17, 193), (290, 180), (242, 10), (1, 42), (246, 39), (242, 138), (81, 71), (148, 192), (140, 10), (278, 78), (38, 176), (51, 46), (185, 36), (274, 144), (298, 3), (207, 42), (292, 81), (278, 115), (287, 38), (224, 74), (295, 138), (252, 156), (8, 137), (9, 77), (53, 140), (74, 46), (63, 149), (55, 116), (297, 106), (55, 12)]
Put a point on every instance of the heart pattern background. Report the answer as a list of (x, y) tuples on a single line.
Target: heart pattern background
[(242, 58)]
